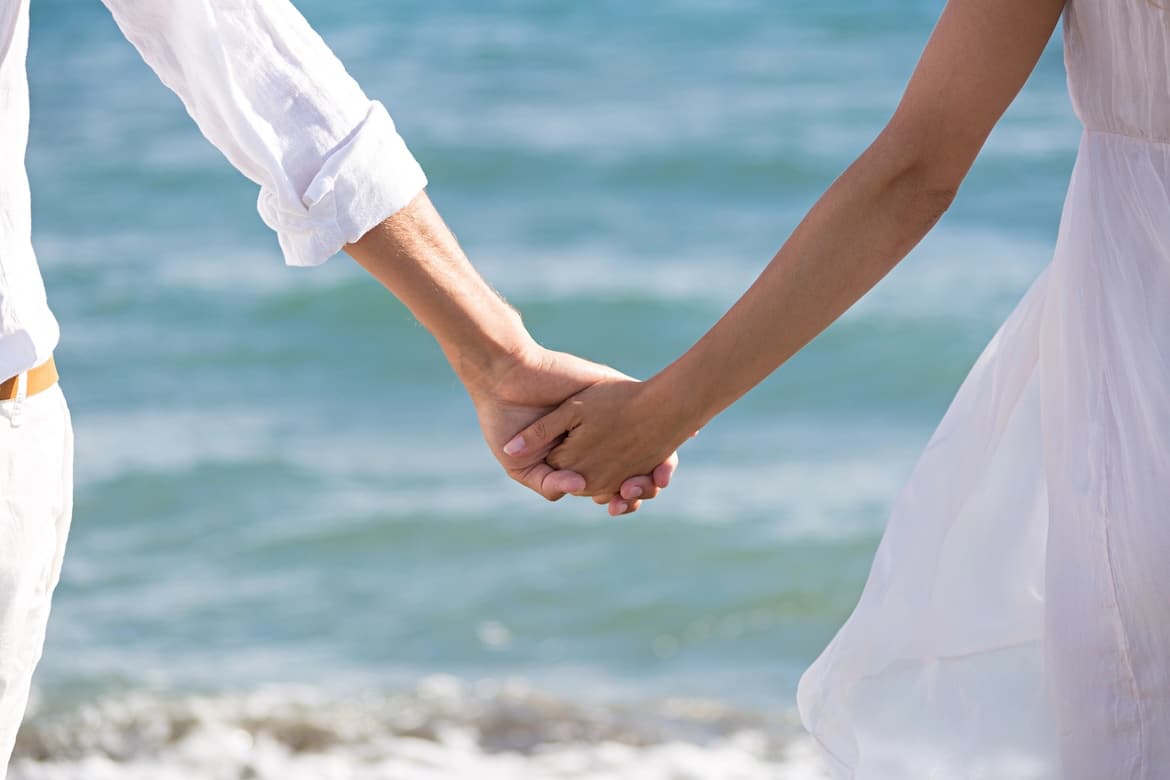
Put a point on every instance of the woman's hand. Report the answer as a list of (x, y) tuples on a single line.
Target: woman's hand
[(532, 385), (614, 428)]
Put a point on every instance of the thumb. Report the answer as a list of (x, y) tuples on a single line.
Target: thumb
[(543, 433)]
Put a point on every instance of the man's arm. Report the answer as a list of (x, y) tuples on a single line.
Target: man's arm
[(511, 379), (415, 256), (333, 172)]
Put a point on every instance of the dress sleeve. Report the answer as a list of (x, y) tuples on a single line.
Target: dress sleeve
[(268, 92)]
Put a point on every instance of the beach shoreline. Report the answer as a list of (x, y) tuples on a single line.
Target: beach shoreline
[(441, 729)]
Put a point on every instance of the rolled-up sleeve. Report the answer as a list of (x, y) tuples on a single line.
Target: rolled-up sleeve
[(268, 92)]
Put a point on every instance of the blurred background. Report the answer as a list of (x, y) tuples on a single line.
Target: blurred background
[(293, 557)]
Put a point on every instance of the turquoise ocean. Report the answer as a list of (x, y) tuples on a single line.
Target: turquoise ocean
[(292, 555)]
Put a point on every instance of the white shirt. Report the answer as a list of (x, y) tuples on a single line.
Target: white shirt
[(266, 90)]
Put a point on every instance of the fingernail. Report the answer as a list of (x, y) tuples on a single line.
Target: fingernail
[(620, 507), (634, 492), (574, 484), (515, 446)]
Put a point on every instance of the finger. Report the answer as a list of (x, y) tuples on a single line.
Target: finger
[(642, 487), (552, 484), (543, 433), (664, 472), (563, 481), (619, 506), (603, 499)]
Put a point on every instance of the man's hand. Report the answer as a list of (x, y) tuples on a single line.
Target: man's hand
[(536, 382)]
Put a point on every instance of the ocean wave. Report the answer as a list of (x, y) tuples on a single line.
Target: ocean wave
[(442, 729)]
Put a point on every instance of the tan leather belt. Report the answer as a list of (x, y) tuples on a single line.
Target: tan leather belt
[(40, 379)]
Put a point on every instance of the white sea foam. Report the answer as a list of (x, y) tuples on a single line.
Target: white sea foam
[(441, 730)]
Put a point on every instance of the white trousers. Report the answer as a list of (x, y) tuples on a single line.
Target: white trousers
[(36, 504)]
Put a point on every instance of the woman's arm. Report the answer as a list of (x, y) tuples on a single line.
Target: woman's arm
[(976, 61)]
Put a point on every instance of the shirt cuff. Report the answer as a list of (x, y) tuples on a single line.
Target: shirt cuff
[(368, 177)]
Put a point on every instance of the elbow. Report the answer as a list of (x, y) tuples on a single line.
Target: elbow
[(929, 200), (921, 172), (924, 165)]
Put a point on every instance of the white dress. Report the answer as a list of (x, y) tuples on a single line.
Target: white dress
[(1016, 623)]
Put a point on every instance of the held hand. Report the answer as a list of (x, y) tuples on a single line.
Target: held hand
[(511, 379), (615, 427), (532, 386)]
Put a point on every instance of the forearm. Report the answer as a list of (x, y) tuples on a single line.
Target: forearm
[(978, 58), (867, 221), (416, 257)]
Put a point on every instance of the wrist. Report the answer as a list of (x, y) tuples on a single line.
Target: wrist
[(671, 398), (484, 359)]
